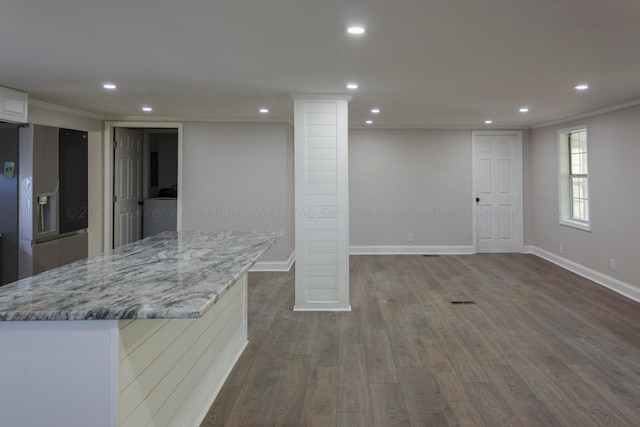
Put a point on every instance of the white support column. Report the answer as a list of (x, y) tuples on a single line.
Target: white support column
[(321, 202)]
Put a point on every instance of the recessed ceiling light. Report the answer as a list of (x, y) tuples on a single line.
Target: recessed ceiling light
[(264, 110), (582, 87), (147, 109), (109, 86), (355, 30), (488, 122), (524, 110), (369, 122), (352, 86), (375, 110)]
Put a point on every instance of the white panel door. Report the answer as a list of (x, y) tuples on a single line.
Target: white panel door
[(498, 191), (127, 186)]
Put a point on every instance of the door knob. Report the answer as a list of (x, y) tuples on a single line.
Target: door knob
[(477, 199)]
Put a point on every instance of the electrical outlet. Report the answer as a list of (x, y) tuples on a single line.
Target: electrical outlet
[(410, 237), (561, 248), (612, 264)]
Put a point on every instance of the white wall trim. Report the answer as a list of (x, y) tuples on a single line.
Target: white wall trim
[(62, 109), (322, 308), (275, 265), (623, 288), (411, 250), (321, 96), (610, 109), (263, 266), (356, 126), (203, 119)]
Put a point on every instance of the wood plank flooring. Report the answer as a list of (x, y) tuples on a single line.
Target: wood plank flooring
[(540, 347)]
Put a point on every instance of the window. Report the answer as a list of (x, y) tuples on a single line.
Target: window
[(578, 176), (574, 177)]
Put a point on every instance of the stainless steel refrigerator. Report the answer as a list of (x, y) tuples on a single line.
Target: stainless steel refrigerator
[(52, 195), (9, 235)]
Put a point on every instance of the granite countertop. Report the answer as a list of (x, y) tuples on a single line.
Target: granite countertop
[(171, 275)]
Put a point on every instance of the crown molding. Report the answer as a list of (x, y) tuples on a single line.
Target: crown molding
[(414, 127), (610, 109), (147, 118), (321, 97), (61, 109), (161, 119)]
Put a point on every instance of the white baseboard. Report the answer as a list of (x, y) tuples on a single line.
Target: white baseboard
[(275, 265), (615, 285), (371, 250), (322, 307), (411, 250)]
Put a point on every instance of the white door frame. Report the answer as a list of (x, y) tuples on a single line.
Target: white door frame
[(108, 172), (519, 200)]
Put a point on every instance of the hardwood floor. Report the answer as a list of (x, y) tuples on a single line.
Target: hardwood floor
[(540, 347)]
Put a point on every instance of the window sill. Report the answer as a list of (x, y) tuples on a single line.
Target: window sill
[(584, 226)]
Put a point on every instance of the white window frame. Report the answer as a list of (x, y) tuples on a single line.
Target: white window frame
[(564, 181)]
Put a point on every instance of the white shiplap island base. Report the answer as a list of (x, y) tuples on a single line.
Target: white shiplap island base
[(157, 327)]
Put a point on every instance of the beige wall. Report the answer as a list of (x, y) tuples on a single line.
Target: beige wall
[(614, 156), (527, 185), (290, 191), (64, 119), (410, 181), (236, 176), (95, 127), (239, 177)]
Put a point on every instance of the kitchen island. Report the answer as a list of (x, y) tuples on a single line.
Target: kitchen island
[(143, 335)]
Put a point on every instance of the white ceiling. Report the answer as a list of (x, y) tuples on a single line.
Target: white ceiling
[(424, 63)]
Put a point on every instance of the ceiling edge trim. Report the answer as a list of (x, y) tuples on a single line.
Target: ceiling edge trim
[(321, 96), (194, 119), (465, 128), (593, 113), (61, 109)]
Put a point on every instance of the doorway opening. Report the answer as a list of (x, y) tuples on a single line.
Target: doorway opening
[(142, 185)]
